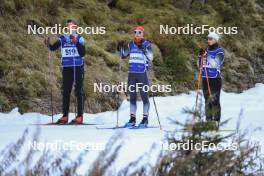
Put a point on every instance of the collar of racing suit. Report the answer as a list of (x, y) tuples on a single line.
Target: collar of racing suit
[(213, 47)]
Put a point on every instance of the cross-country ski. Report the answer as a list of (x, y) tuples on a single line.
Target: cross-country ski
[(57, 124)]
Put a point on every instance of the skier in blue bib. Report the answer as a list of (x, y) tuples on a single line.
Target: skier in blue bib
[(140, 54), (213, 60), (72, 53)]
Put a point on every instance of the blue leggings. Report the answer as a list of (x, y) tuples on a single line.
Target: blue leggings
[(142, 80)]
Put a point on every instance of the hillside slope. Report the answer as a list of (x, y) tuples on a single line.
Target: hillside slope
[(24, 80)]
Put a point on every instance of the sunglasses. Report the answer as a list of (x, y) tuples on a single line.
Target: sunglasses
[(137, 32)]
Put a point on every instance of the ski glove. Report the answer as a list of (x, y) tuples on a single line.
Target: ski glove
[(47, 41), (202, 52), (73, 39), (120, 45)]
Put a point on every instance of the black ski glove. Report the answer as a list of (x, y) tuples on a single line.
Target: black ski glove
[(201, 52), (47, 41), (120, 45)]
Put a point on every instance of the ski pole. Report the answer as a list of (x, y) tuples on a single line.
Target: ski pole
[(154, 102), (198, 82), (119, 72), (117, 112), (207, 80), (156, 111), (206, 74), (74, 81), (50, 77)]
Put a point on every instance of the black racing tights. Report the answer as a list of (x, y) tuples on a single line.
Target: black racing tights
[(212, 104), (68, 80)]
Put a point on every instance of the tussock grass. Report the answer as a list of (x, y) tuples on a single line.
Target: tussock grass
[(23, 58)]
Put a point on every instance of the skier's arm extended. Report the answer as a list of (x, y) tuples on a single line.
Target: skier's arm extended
[(122, 49), (124, 52), (55, 46)]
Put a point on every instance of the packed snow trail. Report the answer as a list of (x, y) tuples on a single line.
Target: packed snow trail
[(136, 142)]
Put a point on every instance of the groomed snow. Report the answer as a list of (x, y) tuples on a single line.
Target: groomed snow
[(136, 142)]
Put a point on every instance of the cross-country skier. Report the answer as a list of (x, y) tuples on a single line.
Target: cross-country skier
[(72, 53), (140, 54), (213, 59)]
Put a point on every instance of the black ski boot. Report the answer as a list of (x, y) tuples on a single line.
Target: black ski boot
[(132, 121), (144, 122)]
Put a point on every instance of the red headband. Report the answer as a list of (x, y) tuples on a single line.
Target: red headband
[(140, 28)]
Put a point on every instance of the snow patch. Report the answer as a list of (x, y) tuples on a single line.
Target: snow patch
[(137, 142)]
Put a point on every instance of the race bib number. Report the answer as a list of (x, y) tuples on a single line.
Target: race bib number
[(70, 52)]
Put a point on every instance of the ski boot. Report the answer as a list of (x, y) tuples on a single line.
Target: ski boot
[(144, 122), (78, 120), (62, 120), (131, 122)]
